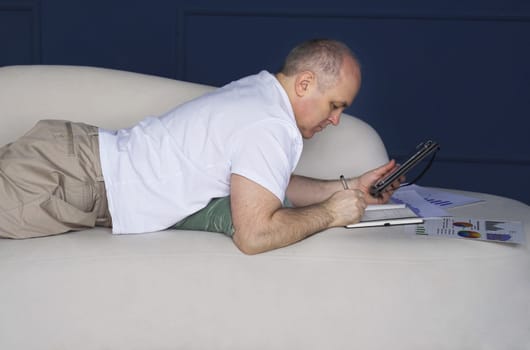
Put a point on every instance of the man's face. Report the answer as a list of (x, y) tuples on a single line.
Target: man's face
[(318, 109)]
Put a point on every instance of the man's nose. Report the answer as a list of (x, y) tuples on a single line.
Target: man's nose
[(334, 118)]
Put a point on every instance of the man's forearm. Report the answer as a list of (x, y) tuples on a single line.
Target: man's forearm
[(286, 226), (261, 224), (303, 191)]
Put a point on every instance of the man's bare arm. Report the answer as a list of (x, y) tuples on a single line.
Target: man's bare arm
[(261, 224), (304, 191)]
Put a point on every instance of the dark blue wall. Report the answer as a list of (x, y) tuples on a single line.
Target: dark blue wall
[(454, 71)]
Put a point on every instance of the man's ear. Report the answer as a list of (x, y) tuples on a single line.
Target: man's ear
[(304, 82)]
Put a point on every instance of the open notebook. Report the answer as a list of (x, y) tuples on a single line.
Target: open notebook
[(387, 215)]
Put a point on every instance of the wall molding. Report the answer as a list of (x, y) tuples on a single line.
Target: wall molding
[(479, 16), (32, 7), (387, 14)]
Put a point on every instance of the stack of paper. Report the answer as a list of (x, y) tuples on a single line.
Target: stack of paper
[(431, 204), (475, 229), (427, 202)]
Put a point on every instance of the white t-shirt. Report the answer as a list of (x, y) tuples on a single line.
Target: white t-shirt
[(164, 169)]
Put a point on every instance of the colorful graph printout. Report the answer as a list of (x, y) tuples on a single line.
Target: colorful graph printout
[(473, 229)]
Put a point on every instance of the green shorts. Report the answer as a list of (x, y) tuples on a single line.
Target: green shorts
[(215, 217)]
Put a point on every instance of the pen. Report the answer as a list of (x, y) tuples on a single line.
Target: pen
[(344, 183)]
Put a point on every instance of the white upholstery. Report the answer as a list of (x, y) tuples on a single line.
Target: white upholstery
[(373, 288)]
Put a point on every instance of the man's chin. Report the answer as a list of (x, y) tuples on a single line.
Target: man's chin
[(310, 133), (318, 129)]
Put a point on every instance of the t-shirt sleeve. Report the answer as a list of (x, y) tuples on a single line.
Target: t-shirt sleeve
[(266, 153)]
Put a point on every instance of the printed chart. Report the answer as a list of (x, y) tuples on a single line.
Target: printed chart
[(474, 229)]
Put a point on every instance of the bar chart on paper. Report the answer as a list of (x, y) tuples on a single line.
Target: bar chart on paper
[(439, 202), (474, 229), (439, 198)]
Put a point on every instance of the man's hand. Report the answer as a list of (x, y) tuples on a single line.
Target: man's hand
[(366, 180), (347, 207)]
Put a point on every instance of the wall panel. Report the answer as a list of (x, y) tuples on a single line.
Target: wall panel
[(19, 33)]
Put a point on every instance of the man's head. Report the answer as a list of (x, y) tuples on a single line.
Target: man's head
[(321, 78)]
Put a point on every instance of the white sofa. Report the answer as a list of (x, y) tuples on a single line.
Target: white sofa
[(376, 288)]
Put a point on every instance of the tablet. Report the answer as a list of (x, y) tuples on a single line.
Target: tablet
[(422, 150)]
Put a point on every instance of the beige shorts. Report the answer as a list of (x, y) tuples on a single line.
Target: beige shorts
[(51, 181)]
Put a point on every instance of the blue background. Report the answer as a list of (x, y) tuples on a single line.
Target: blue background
[(454, 71)]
